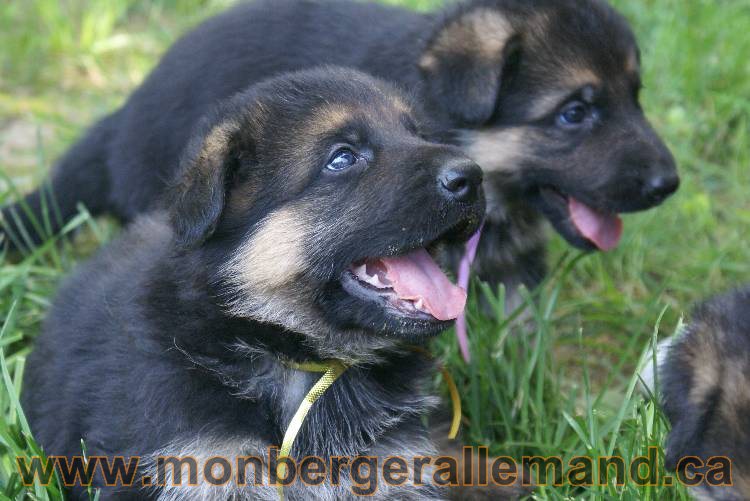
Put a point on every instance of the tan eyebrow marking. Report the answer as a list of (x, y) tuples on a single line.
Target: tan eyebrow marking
[(328, 118), (570, 82), (578, 77), (547, 103)]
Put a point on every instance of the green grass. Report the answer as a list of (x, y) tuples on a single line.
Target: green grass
[(564, 387)]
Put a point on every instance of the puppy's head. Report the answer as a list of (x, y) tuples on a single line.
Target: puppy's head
[(706, 396), (546, 95), (317, 203)]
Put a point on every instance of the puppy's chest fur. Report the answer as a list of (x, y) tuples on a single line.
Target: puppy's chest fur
[(368, 411)]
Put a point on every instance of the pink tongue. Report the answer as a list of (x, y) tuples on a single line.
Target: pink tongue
[(416, 275), (601, 228)]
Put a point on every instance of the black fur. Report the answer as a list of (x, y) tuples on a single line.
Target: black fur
[(160, 345), (706, 392), (480, 85)]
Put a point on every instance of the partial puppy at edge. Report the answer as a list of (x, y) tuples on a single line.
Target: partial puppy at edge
[(705, 391)]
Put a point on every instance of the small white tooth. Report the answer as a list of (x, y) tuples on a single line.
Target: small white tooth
[(419, 304), (361, 271), (377, 283)]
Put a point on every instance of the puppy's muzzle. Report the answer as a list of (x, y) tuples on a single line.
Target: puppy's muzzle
[(461, 181), (661, 184)]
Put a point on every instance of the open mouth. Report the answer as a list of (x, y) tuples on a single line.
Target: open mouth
[(408, 286), (582, 225)]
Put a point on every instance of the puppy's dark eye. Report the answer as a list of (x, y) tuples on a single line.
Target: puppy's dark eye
[(573, 113), (341, 160)]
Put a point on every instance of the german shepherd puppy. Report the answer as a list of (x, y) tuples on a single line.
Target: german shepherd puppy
[(299, 228), (543, 94), (705, 384)]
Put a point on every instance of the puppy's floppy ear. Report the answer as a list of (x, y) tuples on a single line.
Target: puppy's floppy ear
[(462, 64), (195, 200)]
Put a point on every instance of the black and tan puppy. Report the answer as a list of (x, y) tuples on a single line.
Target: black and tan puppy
[(298, 229), (705, 382), (543, 94)]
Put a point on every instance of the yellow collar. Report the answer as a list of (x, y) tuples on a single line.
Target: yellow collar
[(332, 370)]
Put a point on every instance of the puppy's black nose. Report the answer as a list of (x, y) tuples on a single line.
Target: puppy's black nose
[(461, 181), (661, 186)]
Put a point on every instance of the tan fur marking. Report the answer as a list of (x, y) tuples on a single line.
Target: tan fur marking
[(736, 401), (273, 255), (301, 143), (705, 363), (705, 378), (265, 274), (497, 150), (400, 105), (327, 119), (428, 62), (481, 33), (631, 63), (546, 104), (492, 31), (579, 77), (216, 142)]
